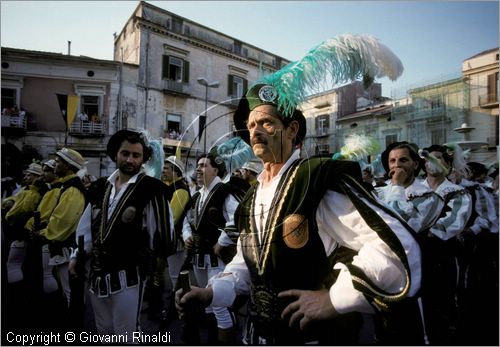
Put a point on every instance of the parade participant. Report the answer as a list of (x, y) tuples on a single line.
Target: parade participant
[(251, 170), (405, 193), (205, 233), (314, 246), (478, 263), (19, 208), (419, 206), (440, 248), (59, 228), (180, 201), (47, 306), (45, 209), (299, 214), (126, 225), (179, 198)]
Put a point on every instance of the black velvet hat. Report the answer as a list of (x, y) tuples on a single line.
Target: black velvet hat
[(262, 94)]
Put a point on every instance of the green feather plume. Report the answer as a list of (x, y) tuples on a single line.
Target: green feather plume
[(341, 59)]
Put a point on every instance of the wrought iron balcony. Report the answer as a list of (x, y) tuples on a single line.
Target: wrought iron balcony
[(176, 87), (87, 129)]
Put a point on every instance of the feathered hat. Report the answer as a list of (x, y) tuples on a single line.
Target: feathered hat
[(153, 149), (233, 154), (338, 60)]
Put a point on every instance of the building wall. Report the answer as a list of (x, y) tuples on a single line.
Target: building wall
[(39, 76), (212, 55)]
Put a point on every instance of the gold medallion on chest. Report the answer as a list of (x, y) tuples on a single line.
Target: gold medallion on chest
[(295, 231)]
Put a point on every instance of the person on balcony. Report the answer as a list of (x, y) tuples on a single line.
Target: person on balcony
[(83, 117)]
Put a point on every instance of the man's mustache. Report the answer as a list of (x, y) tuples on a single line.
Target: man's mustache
[(255, 139)]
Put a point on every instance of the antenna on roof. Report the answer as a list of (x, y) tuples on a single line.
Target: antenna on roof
[(69, 47)]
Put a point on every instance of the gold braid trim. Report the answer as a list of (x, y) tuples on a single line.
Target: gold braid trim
[(269, 235), (105, 227)]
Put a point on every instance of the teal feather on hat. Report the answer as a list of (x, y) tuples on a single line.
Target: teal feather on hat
[(235, 152), (154, 166), (343, 58)]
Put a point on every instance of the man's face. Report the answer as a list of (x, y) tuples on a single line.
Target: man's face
[(129, 158), (168, 172), (49, 174), (61, 167), (268, 137), (205, 172), (29, 178), (400, 160)]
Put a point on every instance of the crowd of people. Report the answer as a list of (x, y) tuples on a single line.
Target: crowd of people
[(306, 247)]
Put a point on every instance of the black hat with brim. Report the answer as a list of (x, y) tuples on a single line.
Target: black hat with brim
[(251, 100), (412, 148)]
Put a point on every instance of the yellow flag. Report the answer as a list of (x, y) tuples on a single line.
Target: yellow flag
[(72, 108), (178, 151)]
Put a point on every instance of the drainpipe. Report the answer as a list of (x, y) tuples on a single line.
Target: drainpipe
[(120, 95), (146, 87)]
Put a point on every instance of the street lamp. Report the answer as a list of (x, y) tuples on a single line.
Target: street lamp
[(207, 85)]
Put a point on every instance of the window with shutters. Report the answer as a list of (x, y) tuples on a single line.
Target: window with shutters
[(237, 86), (175, 69), (492, 88)]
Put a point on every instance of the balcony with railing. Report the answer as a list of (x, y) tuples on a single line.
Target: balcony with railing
[(176, 87), (87, 129), (14, 124), (488, 100)]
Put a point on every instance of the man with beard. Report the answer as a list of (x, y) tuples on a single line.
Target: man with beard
[(126, 226)]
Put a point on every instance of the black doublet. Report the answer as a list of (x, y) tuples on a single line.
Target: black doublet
[(119, 242)]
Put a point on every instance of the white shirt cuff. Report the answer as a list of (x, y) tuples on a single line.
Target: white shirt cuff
[(223, 290), (344, 297)]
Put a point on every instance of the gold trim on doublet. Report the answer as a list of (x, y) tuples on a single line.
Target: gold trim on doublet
[(262, 253)]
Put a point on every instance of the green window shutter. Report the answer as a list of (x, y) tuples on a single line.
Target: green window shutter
[(185, 77), (166, 63), (229, 85)]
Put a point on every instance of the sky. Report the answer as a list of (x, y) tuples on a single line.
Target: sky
[(431, 38)]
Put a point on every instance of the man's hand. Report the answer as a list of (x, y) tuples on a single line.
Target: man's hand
[(226, 253), (189, 244), (72, 267), (309, 306), (184, 302), (398, 176)]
